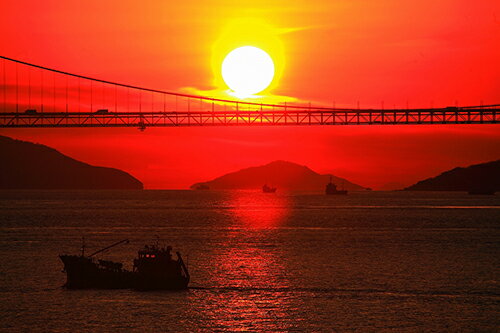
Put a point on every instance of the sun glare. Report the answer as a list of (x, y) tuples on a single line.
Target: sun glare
[(247, 70)]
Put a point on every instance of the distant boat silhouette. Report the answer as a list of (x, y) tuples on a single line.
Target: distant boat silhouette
[(331, 188), (268, 189), (200, 187), (482, 190)]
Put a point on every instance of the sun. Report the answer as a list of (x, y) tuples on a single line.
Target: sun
[(247, 70)]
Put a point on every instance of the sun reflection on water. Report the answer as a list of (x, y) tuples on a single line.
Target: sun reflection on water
[(250, 271), (257, 210)]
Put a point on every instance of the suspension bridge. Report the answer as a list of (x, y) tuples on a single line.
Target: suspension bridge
[(36, 96)]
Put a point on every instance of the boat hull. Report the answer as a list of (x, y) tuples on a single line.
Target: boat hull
[(84, 273), (336, 193)]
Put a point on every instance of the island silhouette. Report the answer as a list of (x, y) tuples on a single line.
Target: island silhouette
[(281, 174), (27, 165), (478, 178)]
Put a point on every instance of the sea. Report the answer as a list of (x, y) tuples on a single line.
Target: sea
[(283, 262)]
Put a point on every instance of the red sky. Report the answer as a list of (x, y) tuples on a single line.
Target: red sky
[(397, 51)]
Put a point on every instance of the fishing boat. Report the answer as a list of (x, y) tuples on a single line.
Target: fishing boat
[(331, 189), (201, 187), (268, 189), (153, 269)]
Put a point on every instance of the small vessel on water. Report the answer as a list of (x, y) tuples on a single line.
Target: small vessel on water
[(482, 191), (268, 189), (201, 187), (331, 188), (153, 269)]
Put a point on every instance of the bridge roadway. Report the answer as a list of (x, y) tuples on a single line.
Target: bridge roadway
[(295, 117)]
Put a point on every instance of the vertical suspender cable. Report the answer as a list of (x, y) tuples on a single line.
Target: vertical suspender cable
[(54, 92), (66, 94), (79, 98), (29, 88), (115, 100), (17, 88), (4, 88), (41, 90)]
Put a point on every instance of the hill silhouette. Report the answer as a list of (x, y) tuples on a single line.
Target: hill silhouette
[(26, 165), (282, 174), (479, 176)]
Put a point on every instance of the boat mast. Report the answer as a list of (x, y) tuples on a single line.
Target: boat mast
[(108, 247)]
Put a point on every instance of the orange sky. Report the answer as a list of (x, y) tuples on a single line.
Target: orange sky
[(397, 51)]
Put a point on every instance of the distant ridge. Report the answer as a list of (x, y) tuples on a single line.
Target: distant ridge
[(27, 165), (478, 176), (282, 174)]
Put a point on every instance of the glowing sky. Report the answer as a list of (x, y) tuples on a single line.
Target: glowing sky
[(394, 51)]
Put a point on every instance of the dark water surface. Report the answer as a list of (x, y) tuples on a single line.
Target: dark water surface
[(400, 262)]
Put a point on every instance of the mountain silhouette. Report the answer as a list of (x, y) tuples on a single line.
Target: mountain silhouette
[(27, 165), (474, 177), (282, 174)]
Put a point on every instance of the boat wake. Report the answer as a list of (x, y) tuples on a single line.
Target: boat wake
[(353, 292)]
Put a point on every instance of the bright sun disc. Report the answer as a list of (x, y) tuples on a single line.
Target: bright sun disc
[(247, 70)]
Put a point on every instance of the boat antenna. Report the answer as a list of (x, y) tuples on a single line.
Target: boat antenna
[(83, 246)]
